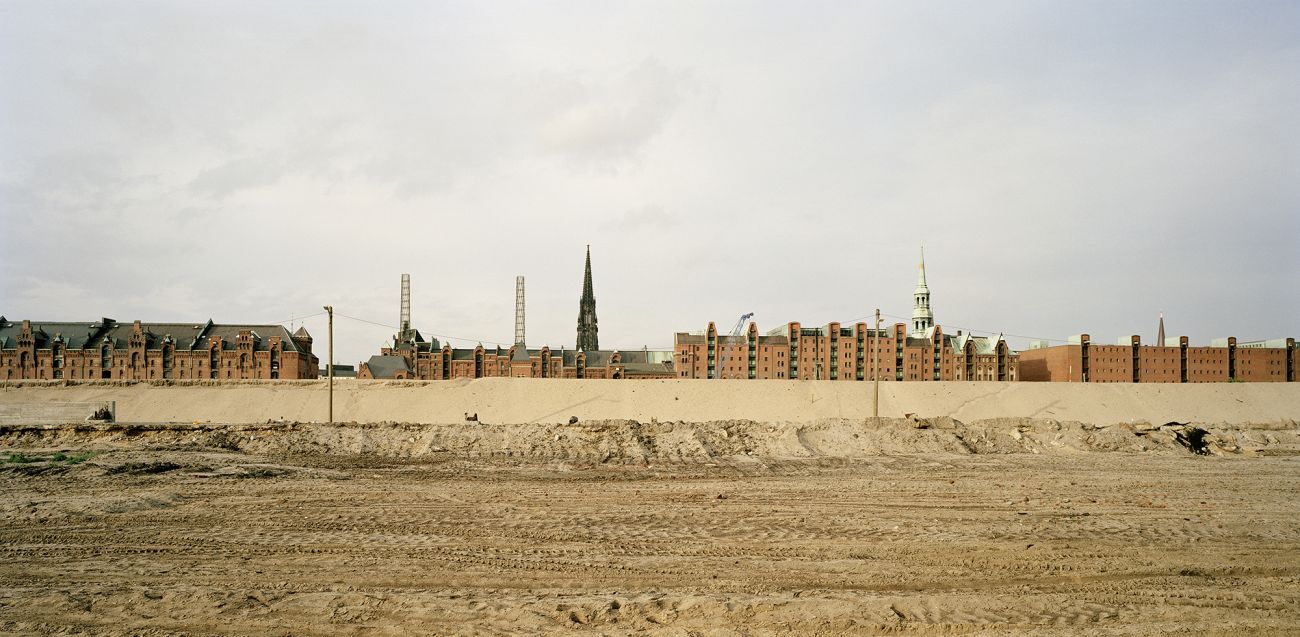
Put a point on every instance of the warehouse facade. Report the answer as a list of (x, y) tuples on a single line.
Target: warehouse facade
[(836, 352), (418, 359), (106, 349), (1175, 361)]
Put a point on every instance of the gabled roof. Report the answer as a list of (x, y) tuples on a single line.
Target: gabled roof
[(88, 335), (983, 344), (387, 366), (636, 369)]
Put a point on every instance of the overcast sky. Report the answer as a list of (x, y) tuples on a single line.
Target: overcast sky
[(1070, 167)]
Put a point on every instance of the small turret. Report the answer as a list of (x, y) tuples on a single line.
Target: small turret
[(302, 339)]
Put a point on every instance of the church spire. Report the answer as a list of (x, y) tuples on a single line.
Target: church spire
[(588, 339), (1160, 335), (922, 316), (920, 281)]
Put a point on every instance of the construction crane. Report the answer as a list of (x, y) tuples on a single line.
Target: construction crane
[(735, 331)]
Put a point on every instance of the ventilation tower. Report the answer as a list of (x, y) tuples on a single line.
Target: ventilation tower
[(519, 310), (405, 321)]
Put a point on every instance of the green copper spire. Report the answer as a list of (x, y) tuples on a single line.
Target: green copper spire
[(922, 315)]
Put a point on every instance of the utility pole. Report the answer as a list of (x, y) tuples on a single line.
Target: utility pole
[(330, 365), (817, 352), (875, 369)]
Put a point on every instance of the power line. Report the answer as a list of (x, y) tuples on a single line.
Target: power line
[(658, 347), (973, 329), (442, 336), (294, 318)]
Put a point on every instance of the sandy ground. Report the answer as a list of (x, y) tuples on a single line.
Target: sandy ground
[(932, 528)]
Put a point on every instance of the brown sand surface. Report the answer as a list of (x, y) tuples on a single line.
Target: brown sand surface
[(506, 400), (179, 531)]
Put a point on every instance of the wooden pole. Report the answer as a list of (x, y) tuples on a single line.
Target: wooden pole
[(329, 366), (875, 369)]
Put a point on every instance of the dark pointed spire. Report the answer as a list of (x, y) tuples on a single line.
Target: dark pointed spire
[(586, 279), (587, 329), (1160, 335)]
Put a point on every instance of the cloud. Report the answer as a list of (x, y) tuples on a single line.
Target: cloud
[(1068, 169), (236, 175), (642, 218), (612, 118)]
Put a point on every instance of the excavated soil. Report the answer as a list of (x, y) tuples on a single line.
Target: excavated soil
[(835, 527)]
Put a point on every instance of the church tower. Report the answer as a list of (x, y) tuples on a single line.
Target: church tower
[(587, 330), (922, 317)]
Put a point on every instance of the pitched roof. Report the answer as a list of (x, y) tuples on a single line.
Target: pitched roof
[(520, 354), (387, 366), (86, 335), (637, 369)]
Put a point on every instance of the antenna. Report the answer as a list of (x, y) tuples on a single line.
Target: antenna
[(519, 309), (405, 321)]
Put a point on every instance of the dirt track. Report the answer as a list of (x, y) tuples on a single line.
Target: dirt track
[(150, 538)]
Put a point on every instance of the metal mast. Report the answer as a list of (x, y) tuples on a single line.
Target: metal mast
[(519, 310), (405, 321)]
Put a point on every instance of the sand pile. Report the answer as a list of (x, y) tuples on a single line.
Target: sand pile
[(631, 441), (504, 400)]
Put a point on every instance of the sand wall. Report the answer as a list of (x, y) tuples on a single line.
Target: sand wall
[(550, 401)]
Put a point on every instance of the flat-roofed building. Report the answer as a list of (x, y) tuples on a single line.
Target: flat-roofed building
[(1176, 361)]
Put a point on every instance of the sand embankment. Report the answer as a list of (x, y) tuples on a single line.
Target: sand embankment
[(499, 400)]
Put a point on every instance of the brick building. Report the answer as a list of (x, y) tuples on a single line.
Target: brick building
[(417, 359), (836, 352), (107, 349), (1175, 361), (413, 358), (917, 352)]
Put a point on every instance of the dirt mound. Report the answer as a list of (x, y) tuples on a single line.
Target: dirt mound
[(513, 400), (654, 441)]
